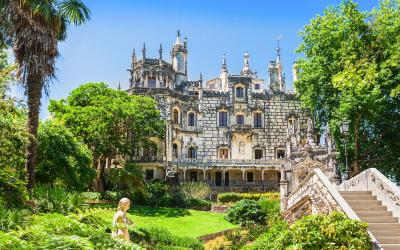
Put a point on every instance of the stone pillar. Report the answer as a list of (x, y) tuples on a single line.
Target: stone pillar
[(283, 186), (184, 175), (204, 175)]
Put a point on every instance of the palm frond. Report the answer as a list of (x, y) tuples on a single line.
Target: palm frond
[(74, 11)]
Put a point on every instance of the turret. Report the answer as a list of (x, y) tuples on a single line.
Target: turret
[(246, 71), (144, 52), (179, 58), (275, 72), (224, 74)]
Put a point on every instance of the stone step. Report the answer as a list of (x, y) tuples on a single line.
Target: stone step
[(359, 197), (368, 208), (372, 213), (372, 226), (390, 246), (364, 203), (385, 232), (379, 219), (388, 239), (355, 192)]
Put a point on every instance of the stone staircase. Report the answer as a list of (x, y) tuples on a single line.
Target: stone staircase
[(381, 223)]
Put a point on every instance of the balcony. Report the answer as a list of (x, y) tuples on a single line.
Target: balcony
[(148, 159), (228, 162), (241, 128), (195, 129)]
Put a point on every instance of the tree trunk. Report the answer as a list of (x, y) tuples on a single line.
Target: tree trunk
[(99, 182), (34, 92), (356, 163)]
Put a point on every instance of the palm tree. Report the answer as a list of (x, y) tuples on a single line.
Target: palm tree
[(33, 28)]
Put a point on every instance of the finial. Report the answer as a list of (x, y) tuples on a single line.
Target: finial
[(201, 77), (144, 51), (224, 67), (185, 43), (119, 85), (133, 56), (179, 33), (160, 51), (278, 49)]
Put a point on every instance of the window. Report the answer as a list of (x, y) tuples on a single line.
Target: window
[(191, 152), (280, 153), (250, 177), (240, 119), (257, 120), (256, 86), (223, 153), (151, 82), (239, 92), (223, 118), (191, 119), (175, 116), (174, 150), (149, 174), (258, 154)]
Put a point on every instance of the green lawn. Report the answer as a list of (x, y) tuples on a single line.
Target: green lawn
[(178, 221)]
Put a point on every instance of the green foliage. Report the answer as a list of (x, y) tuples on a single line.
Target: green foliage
[(160, 238), (47, 199), (198, 204), (240, 237), (351, 71), (13, 141), (334, 231), (246, 212), (111, 195), (55, 231), (62, 159), (271, 207), (157, 194), (93, 196), (234, 197), (127, 177), (195, 190), (11, 218)]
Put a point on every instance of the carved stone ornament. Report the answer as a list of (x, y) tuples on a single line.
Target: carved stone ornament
[(302, 169)]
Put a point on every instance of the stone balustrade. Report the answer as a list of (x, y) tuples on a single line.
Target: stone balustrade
[(380, 186), (228, 162)]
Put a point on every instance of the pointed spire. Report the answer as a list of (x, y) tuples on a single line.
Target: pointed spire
[(144, 52), (246, 71), (201, 77), (185, 43), (224, 67), (119, 85), (160, 51), (246, 59), (278, 50), (178, 38)]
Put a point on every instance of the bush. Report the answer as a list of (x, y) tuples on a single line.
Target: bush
[(195, 190), (234, 197), (240, 237), (158, 194), (12, 188), (47, 199), (11, 218), (92, 196), (160, 238), (270, 207), (111, 196), (198, 204), (334, 231), (246, 212)]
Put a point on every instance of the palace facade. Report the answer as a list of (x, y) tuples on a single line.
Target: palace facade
[(234, 131)]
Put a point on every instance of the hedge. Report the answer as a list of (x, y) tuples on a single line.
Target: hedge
[(234, 197)]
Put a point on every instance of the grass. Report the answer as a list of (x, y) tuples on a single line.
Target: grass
[(182, 222)]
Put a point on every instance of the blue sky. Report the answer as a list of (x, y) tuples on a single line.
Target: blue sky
[(100, 50)]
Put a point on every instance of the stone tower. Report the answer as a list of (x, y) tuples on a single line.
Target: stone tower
[(179, 59)]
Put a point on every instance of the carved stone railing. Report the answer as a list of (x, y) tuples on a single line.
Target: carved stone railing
[(228, 162), (240, 127), (380, 186), (315, 195)]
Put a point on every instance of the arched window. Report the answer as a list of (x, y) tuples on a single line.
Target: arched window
[(239, 92), (175, 150), (191, 119), (175, 116), (191, 152)]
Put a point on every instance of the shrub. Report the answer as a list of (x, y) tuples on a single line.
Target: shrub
[(158, 194), (198, 204), (12, 188), (55, 199), (126, 177), (111, 195), (246, 212), (11, 218), (160, 238), (334, 231), (195, 190), (270, 207), (234, 197), (92, 196)]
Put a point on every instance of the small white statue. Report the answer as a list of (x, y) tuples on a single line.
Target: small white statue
[(120, 221)]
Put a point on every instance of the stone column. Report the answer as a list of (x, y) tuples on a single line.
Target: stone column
[(283, 186), (184, 175), (204, 175)]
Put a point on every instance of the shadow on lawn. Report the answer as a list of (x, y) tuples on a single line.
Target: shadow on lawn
[(158, 211)]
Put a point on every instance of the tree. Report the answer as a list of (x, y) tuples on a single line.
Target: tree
[(34, 28), (62, 158), (13, 140), (350, 70), (110, 122)]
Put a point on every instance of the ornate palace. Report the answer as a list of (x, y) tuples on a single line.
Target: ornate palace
[(234, 131)]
